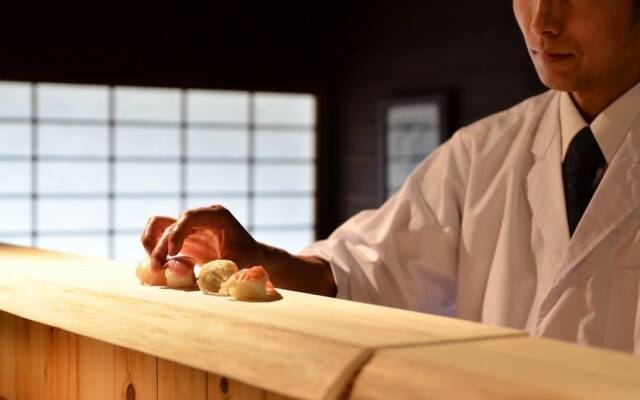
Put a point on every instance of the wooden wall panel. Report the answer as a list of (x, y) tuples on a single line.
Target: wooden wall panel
[(31, 365), (61, 363), (8, 355), (221, 388), (177, 381), (42, 362), (136, 373), (36, 361), (96, 370)]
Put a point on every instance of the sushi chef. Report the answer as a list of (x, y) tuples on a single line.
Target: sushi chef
[(529, 218)]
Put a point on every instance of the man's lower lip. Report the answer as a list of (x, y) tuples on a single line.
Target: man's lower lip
[(552, 57)]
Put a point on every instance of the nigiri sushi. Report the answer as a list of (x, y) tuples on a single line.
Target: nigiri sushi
[(214, 273), (250, 284), (147, 276), (179, 272)]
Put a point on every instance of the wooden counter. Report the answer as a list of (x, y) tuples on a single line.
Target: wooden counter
[(77, 327), (509, 368)]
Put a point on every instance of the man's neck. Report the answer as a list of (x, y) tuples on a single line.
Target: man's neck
[(592, 102)]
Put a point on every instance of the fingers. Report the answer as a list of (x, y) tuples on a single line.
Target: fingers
[(156, 225), (212, 218), (159, 253), (199, 232)]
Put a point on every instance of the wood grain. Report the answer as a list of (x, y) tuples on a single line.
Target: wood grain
[(61, 367), (507, 368), (36, 361), (136, 372), (31, 365), (9, 337), (330, 318), (304, 346), (155, 343), (222, 388), (96, 370), (177, 381), (73, 367)]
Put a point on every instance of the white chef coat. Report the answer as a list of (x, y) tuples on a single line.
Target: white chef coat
[(479, 231)]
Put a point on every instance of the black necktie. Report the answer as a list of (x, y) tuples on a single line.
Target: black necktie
[(579, 172)]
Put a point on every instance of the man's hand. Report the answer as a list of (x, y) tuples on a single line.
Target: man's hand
[(205, 234), (211, 233)]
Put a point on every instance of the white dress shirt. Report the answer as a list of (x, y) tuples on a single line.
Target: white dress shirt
[(609, 127)]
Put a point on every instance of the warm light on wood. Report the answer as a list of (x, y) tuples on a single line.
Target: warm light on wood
[(509, 368), (82, 328)]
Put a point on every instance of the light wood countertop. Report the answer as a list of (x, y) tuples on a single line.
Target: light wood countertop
[(303, 346)]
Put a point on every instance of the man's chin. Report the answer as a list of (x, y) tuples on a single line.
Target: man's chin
[(558, 83)]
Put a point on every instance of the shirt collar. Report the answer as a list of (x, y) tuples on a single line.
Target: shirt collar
[(610, 126)]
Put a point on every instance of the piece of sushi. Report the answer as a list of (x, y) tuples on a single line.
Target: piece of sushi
[(214, 273), (147, 276), (179, 272), (250, 284)]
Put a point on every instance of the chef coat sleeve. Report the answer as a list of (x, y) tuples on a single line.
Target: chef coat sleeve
[(404, 254)]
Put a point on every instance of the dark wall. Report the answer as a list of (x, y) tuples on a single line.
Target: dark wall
[(274, 45), (471, 49)]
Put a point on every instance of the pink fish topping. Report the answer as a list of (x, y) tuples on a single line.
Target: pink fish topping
[(256, 273), (181, 265)]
